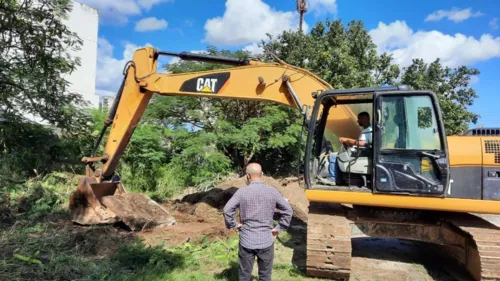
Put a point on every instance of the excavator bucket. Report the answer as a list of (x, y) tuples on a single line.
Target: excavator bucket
[(108, 203)]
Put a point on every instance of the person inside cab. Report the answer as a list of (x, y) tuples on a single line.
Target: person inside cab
[(365, 139)]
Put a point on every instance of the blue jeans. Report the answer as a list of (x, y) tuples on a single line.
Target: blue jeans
[(333, 168)]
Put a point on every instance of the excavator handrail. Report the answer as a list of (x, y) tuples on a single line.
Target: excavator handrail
[(401, 87), (206, 58)]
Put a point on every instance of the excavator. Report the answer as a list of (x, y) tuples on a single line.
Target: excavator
[(411, 182)]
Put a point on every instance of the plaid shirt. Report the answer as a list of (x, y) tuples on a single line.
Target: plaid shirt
[(257, 203)]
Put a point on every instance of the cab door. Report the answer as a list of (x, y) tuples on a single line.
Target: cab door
[(410, 151)]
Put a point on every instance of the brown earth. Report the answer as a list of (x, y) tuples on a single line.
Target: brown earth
[(199, 214)]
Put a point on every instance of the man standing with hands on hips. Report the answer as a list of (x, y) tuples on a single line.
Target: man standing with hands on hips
[(257, 203)]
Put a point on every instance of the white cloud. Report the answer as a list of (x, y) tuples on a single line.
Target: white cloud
[(113, 11), (392, 36), (254, 49), (323, 6), (147, 4), (455, 15), (494, 23), (453, 50), (174, 60), (248, 21), (117, 12), (150, 24), (110, 69)]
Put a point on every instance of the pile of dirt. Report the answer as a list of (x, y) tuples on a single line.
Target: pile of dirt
[(207, 206), (138, 212), (199, 214), (288, 187)]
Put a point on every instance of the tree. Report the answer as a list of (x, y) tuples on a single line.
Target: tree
[(34, 64), (239, 130), (34, 61), (451, 87), (344, 56)]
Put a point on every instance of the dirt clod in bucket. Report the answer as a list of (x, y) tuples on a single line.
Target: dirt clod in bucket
[(138, 211)]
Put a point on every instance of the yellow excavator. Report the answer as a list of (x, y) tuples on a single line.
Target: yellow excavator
[(412, 182)]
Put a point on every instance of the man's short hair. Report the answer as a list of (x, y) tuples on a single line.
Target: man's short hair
[(364, 114)]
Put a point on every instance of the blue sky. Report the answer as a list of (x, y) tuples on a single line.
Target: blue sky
[(460, 32)]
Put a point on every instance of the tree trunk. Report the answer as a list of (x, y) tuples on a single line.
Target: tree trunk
[(247, 159)]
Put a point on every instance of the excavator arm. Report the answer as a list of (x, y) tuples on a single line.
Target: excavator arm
[(246, 80)]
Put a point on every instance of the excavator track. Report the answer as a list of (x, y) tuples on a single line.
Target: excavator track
[(471, 240), (328, 242), (481, 252)]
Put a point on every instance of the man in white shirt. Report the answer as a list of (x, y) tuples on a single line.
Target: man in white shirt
[(364, 139)]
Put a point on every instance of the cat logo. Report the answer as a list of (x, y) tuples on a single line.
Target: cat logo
[(206, 85), (209, 84)]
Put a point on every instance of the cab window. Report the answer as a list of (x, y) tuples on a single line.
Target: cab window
[(409, 122)]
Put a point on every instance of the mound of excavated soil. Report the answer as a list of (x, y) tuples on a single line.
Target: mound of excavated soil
[(288, 187), (207, 206)]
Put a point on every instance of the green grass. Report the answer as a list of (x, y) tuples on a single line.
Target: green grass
[(67, 252)]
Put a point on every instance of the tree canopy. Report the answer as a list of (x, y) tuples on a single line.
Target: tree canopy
[(452, 86), (34, 61)]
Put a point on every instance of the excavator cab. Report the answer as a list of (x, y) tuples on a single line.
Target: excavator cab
[(407, 153)]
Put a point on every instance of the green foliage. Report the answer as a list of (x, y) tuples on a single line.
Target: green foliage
[(38, 198), (424, 117), (29, 149), (452, 88), (140, 260), (344, 56), (31, 259), (34, 60), (229, 133), (61, 252), (34, 63), (199, 159)]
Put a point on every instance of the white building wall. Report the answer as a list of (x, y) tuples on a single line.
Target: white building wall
[(107, 102), (84, 21)]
